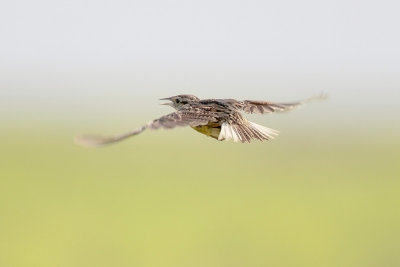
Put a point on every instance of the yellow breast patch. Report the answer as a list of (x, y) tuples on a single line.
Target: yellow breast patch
[(207, 130)]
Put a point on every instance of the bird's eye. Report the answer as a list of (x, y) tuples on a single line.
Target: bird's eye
[(177, 101)]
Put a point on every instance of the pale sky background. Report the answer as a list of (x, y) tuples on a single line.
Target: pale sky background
[(90, 58)]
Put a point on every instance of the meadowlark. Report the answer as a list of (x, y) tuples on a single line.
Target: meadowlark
[(220, 119)]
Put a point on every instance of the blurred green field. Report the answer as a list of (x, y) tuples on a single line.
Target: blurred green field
[(181, 199)]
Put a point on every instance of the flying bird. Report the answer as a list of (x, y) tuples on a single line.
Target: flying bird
[(220, 119)]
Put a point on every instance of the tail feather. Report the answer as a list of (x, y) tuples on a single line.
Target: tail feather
[(256, 134), (239, 132), (234, 134), (246, 132), (265, 132)]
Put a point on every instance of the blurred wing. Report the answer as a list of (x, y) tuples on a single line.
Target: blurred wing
[(99, 140), (262, 107), (179, 118)]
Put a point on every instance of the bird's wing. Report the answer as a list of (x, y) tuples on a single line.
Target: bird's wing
[(185, 117), (89, 140), (262, 107), (189, 117)]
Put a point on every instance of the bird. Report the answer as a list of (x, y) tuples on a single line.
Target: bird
[(221, 119)]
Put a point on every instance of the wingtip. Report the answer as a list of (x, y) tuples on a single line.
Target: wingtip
[(89, 141), (322, 96)]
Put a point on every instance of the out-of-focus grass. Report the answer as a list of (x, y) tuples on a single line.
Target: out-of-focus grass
[(180, 199)]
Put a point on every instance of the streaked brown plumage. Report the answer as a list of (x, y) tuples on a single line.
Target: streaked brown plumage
[(218, 118)]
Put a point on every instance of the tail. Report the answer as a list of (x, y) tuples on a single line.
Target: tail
[(246, 132)]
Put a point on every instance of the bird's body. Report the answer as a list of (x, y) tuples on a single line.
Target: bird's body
[(220, 119)]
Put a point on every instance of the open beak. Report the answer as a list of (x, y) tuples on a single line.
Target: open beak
[(168, 103)]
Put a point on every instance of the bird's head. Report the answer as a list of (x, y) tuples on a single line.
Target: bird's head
[(180, 100)]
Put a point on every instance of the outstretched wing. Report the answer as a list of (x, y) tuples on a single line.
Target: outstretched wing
[(179, 118), (261, 107), (90, 140)]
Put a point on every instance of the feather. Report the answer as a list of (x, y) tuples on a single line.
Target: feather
[(223, 135), (267, 133), (235, 137)]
